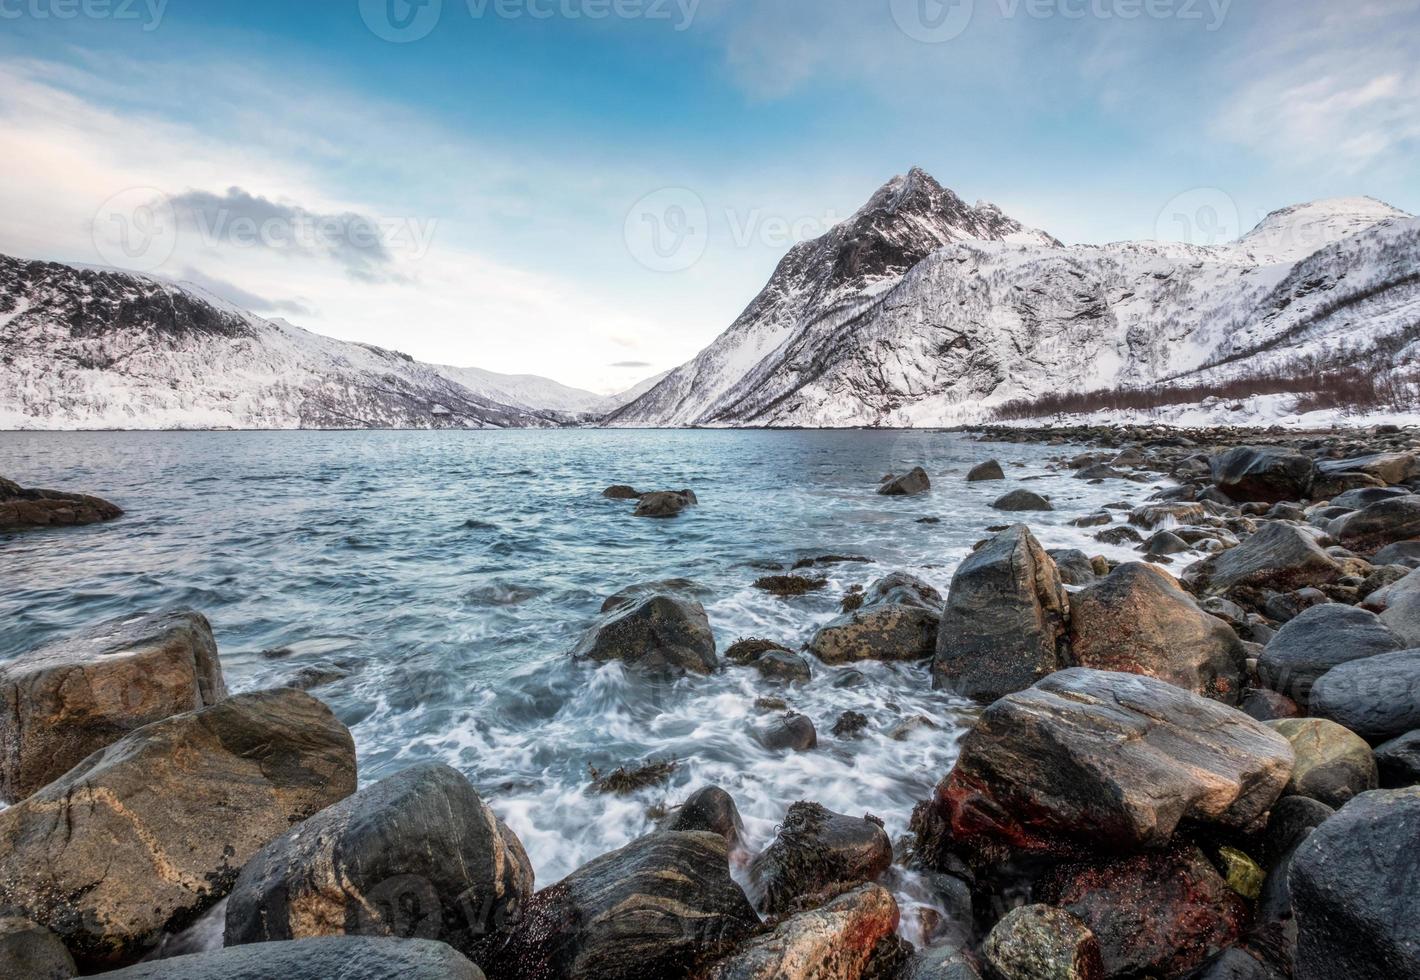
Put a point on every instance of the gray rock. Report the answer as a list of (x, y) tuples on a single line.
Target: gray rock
[(83, 692), (780, 665), (1165, 543), (417, 855), (1399, 761), (1319, 639), (29, 951), (907, 485), (1040, 942), (1389, 468), (664, 503), (1405, 553), (658, 633), (1073, 566), (345, 957), (1279, 557), (1256, 473), (1353, 891), (1363, 497), (986, 472), (1005, 620), (816, 851), (663, 906), (708, 809), (1139, 621), (1378, 698), (793, 732), (1022, 500), (676, 588), (1386, 522)]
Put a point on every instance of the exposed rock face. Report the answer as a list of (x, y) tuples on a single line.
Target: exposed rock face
[(662, 906), (664, 503), (1380, 524), (1155, 914), (1022, 500), (1389, 468), (416, 855), (910, 484), (1354, 894), (878, 631), (1333, 765), (1005, 621), (986, 472), (1374, 697), (1269, 475), (708, 809), (1279, 556), (1139, 621), (65, 700), (144, 835), (817, 850), (1089, 759), (21, 508), (345, 957), (1321, 638), (29, 951), (1038, 942), (834, 942), (658, 633)]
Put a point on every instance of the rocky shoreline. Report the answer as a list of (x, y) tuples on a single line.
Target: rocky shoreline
[(1200, 764)]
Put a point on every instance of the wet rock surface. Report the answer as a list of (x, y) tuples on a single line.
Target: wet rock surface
[(1249, 473), (1375, 697), (1321, 638), (1037, 942), (345, 957), (22, 508), (657, 633), (1022, 500), (815, 851), (834, 942), (29, 951), (910, 484), (1333, 764)]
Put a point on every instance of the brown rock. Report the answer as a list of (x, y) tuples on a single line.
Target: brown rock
[(834, 942), (815, 851), (21, 508)]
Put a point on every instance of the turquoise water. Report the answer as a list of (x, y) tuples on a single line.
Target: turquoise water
[(447, 575)]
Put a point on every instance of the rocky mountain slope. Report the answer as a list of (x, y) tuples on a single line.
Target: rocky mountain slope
[(83, 349), (922, 311)]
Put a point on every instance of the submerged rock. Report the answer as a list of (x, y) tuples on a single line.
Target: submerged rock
[(663, 906), (84, 692), (783, 666), (1089, 759), (1005, 620), (793, 732), (1353, 891), (345, 957), (1022, 500), (144, 835), (415, 855), (1139, 621), (785, 586), (21, 508), (834, 942), (1269, 475), (1039, 942), (816, 851), (657, 633), (908, 485)]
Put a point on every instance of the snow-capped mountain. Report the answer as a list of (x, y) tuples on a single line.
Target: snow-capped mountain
[(922, 311), (86, 349)]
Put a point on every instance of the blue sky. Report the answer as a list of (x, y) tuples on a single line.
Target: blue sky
[(504, 155)]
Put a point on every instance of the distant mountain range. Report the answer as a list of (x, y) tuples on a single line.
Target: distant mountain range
[(919, 310)]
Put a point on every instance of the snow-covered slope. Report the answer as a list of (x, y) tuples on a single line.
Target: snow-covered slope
[(87, 349), (962, 315)]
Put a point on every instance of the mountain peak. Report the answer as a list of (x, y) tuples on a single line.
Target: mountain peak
[(1291, 232)]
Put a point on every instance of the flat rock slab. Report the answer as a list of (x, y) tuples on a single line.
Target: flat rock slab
[(144, 835), (83, 692), (21, 508), (1089, 759), (342, 957)]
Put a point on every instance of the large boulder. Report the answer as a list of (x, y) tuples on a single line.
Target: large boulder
[(987, 472), (21, 508), (327, 958), (1389, 468), (815, 851), (415, 855), (1004, 624), (898, 620), (1091, 759), (1385, 522), (1321, 638), (29, 951), (144, 835), (658, 633), (65, 700), (1140, 622), (1269, 475), (1281, 557), (1377, 698), (1353, 891), (664, 503), (1022, 500), (1154, 914), (1333, 765), (909, 484), (1040, 942), (662, 906), (834, 942)]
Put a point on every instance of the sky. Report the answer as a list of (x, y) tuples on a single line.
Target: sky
[(592, 190)]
